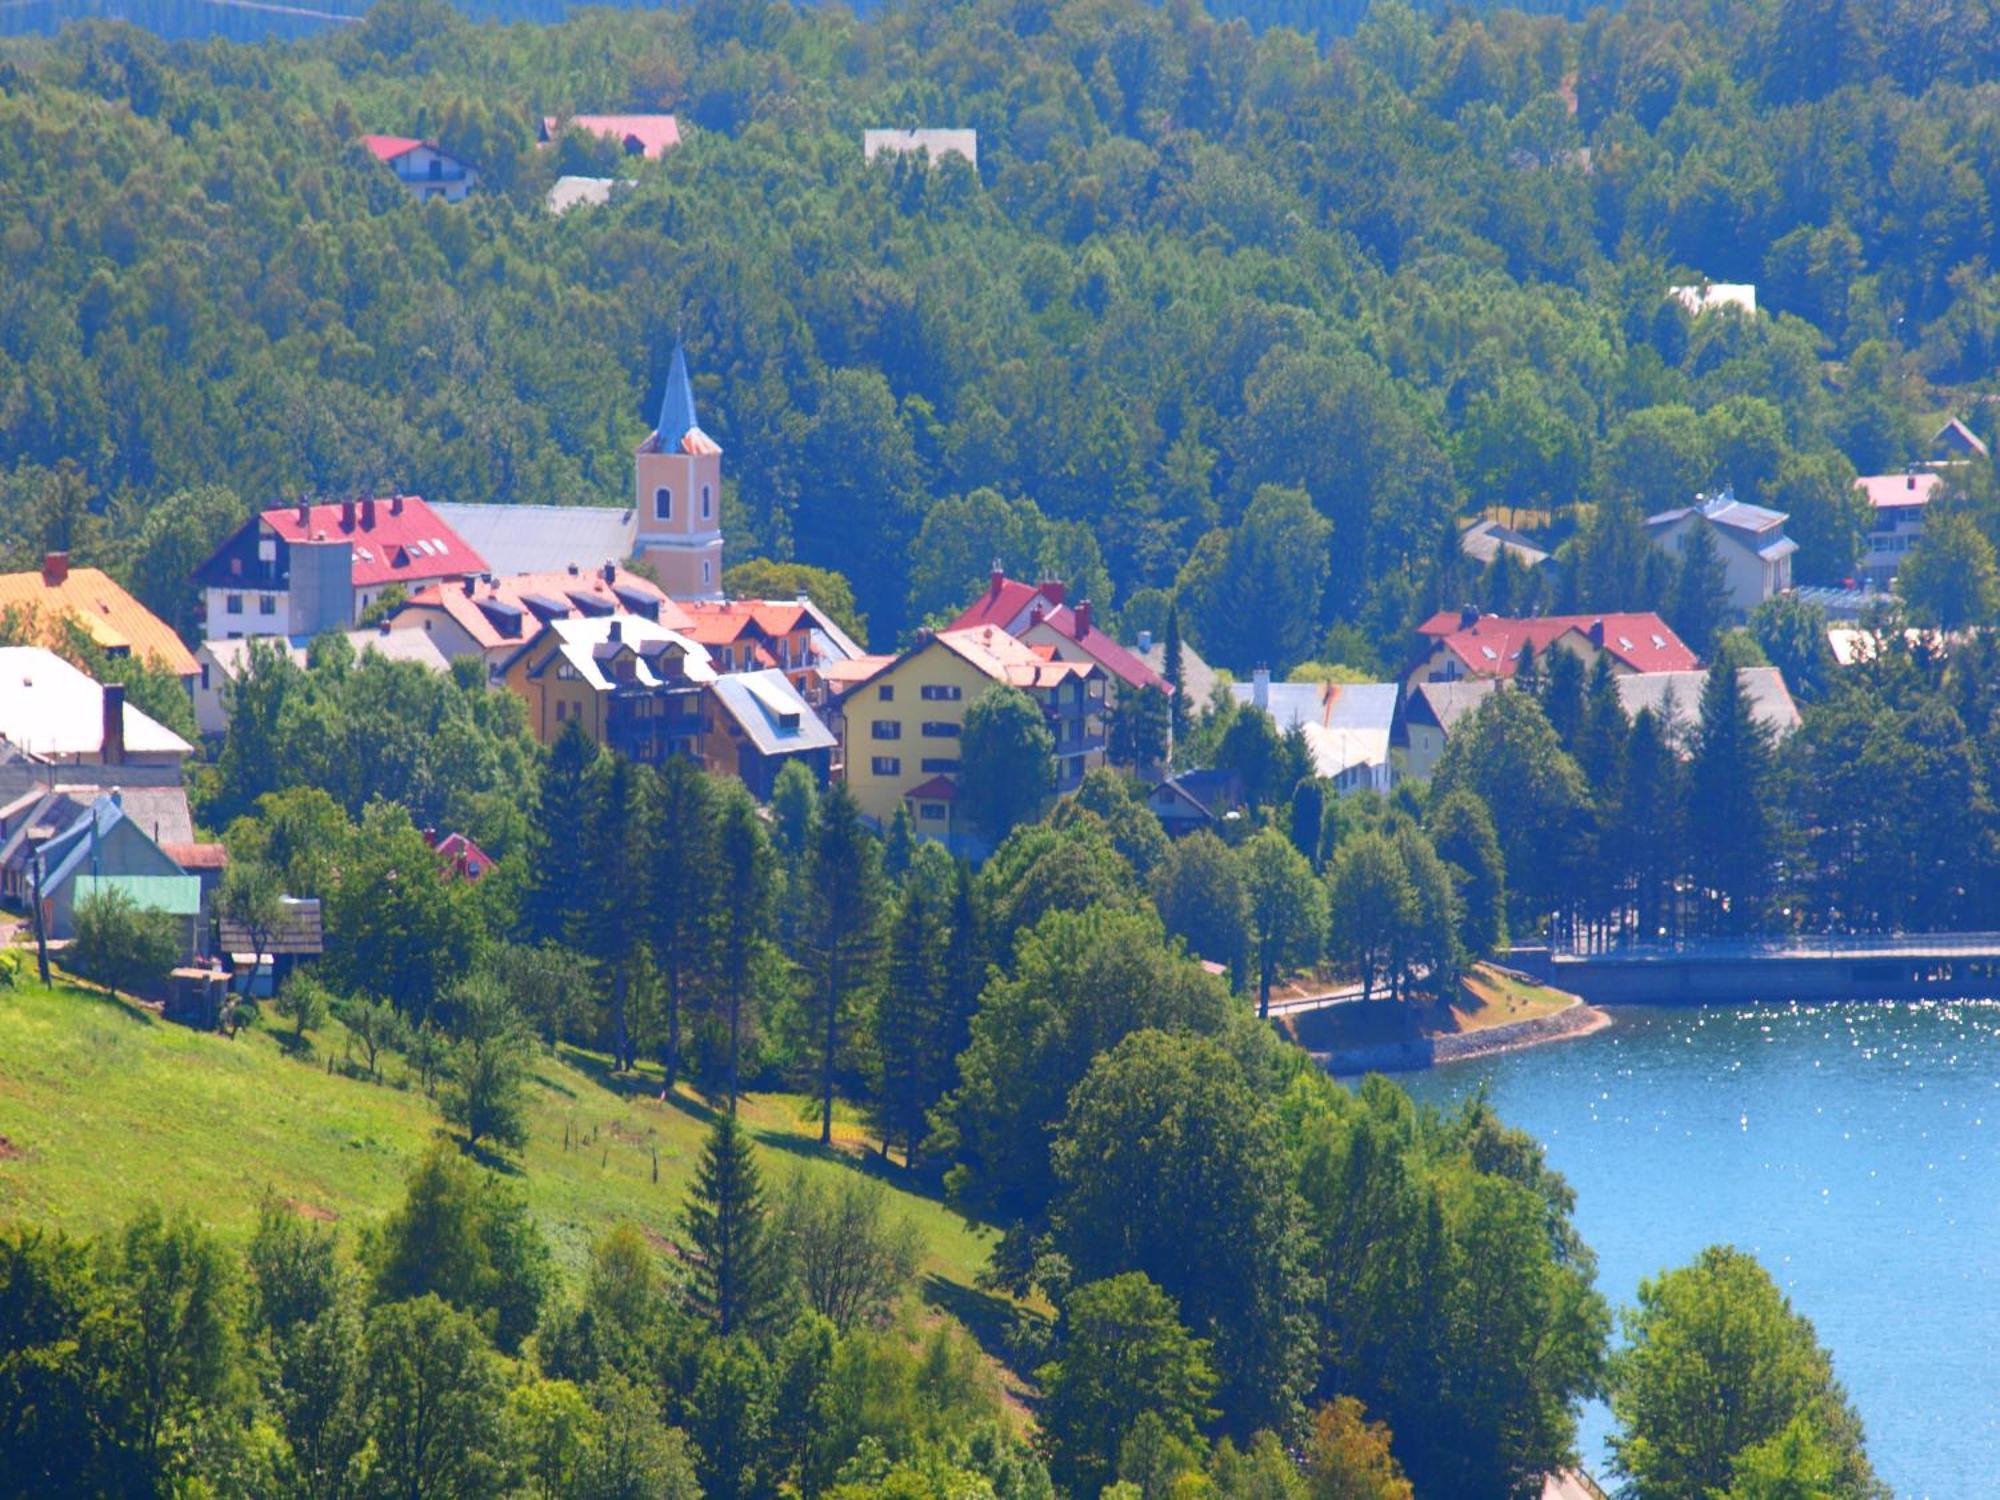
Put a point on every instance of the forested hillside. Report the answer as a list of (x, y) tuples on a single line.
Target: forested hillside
[(1417, 275)]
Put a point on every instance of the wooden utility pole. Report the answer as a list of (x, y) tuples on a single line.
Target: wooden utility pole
[(41, 930)]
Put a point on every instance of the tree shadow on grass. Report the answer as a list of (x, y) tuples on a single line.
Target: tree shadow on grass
[(71, 988), (496, 1162), (987, 1316), (868, 1163)]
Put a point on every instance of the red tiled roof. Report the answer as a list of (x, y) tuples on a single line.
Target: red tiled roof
[(1005, 601), (722, 622), (389, 147), (1121, 663), (197, 856), (463, 857), (1491, 645), (397, 540), (484, 627), (937, 789), (654, 133)]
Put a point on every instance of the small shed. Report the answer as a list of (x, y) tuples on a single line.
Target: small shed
[(299, 935)]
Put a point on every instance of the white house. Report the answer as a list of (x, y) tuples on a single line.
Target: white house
[(62, 716), (937, 144), (423, 167), (1750, 542), (1896, 506), (1347, 725), (1712, 295)]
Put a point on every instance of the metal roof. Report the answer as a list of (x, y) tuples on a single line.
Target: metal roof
[(176, 895), (771, 713), (544, 538)]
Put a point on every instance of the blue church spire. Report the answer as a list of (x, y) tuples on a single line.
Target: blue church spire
[(677, 417)]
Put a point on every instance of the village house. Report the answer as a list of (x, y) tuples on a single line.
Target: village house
[(424, 168), (1189, 800), (1430, 712), (1955, 443), (574, 191), (755, 721), (1038, 616), (105, 850), (756, 635), (1484, 541), (901, 725), (461, 857), (221, 663), (1457, 644), (934, 143), (301, 570), (630, 684), (60, 716), (1896, 506), (44, 597), (1199, 680), (33, 816), (1750, 543), (490, 618), (648, 136), (1347, 726)]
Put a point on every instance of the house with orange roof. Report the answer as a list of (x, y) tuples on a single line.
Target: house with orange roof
[(1039, 616), (45, 597), (423, 167), (492, 618), (1460, 644), (900, 726)]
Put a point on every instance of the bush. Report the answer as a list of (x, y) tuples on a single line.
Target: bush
[(120, 944)]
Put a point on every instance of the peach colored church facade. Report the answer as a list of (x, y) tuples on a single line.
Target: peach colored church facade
[(677, 495)]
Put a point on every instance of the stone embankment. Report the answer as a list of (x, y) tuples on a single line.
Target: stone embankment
[(1574, 1020)]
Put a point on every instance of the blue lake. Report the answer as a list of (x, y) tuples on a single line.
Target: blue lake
[(1855, 1150)]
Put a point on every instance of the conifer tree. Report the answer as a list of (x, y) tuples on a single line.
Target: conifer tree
[(845, 881), (614, 887), (1700, 601), (909, 1022), (1651, 827), (964, 976), (738, 1268), (1175, 671), (556, 910), (1562, 695), (746, 870), (1731, 837), (1600, 740), (900, 846), (686, 892)]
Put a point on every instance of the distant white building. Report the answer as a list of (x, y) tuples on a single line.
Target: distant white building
[(1347, 725), (424, 167), (1711, 295), (62, 716), (938, 144), (578, 192), (1750, 542)]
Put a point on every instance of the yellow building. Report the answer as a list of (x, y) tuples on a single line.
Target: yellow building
[(631, 684), (901, 725)]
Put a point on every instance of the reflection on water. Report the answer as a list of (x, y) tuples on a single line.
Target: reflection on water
[(1853, 1149)]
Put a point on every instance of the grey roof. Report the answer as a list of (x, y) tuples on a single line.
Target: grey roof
[(392, 645), (1345, 724), (1727, 511), (71, 849), (1483, 541), (572, 191), (1209, 791), (1956, 437), (771, 713), (1675, 699), (299, 930), (1448, 702), (677, 418), (160, 812), (1198, 678), (544, 538)]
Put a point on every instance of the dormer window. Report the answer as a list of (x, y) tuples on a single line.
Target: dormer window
[(663, 504)]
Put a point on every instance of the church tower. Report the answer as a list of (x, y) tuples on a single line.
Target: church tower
[(677, 493)]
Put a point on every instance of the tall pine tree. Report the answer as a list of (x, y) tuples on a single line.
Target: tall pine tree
[(738, 1269), (909, 1014), (557, 903), (845, 879), (615, 885), (685, 897), (1652, 829), (1175, 671), (1732, 838), (746, 870)]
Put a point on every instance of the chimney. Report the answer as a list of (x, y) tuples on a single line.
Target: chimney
[(999, 575), (382, 626), (572, 570), (368, 515), (1055, 590), (305, 514), (395, 505), (1597, 633), (347, 515), (55, 568), (1468, 617), (114, 724), (1260, 687), (1911, 482), (469, 582), (611, 572), (1035, 614), (617, 631), (1083, 619), (1145, 641)]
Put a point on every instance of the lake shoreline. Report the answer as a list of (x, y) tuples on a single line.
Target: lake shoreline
[(1576, 1020)]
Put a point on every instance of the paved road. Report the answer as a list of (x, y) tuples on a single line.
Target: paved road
[(1305, 1004)]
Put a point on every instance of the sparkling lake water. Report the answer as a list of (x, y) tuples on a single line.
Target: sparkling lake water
[(1854, 1149)]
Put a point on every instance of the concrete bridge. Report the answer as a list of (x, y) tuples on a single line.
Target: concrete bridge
[(1712, 971)]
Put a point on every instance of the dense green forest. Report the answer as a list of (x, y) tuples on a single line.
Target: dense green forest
[(1411, 276)]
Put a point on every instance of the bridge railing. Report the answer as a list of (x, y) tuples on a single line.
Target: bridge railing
[(1789, 945)]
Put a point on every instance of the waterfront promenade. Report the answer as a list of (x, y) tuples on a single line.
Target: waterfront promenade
[(1721, 971)]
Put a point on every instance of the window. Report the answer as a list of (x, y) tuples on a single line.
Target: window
[(562, 711), (437, 169), (267, 604), (204, 677), (233, 603), (886, 729), (267, 549), (707, 571), (707, 503), (663, 504), (886, 765), (930, 812), (886, 693), (935, 730), (937, 766), (942, 692)]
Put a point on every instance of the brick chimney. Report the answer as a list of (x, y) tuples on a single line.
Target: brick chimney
[(55, 568), (1054, 590), (999, 577), (1597, 633), (1083, 619), (368, 514), (395, 505), (305, 514), (347, 515), (1468, 617), (114, 724)]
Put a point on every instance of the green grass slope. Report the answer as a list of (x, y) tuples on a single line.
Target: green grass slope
[(104, 1108)]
